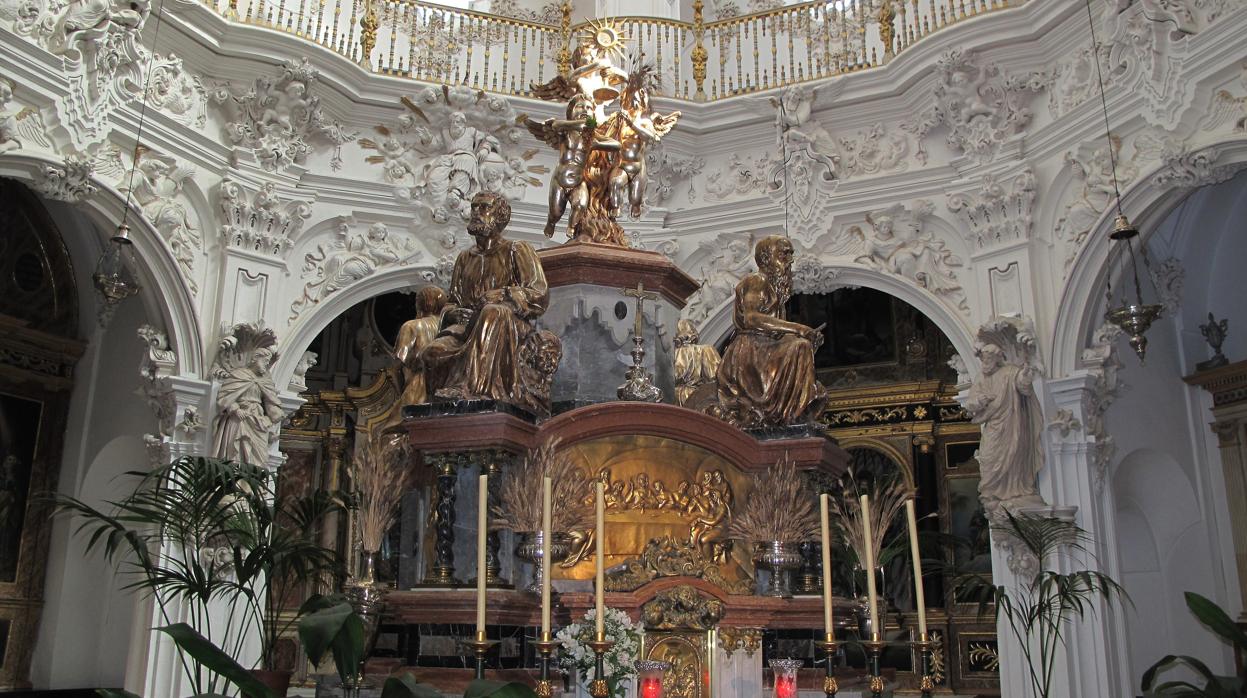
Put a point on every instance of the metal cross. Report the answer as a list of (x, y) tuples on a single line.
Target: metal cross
[(641, 295)]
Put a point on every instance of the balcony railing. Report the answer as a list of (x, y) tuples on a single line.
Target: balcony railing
[(698, 60)]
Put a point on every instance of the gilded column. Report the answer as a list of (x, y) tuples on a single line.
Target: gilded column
[(700, 54)]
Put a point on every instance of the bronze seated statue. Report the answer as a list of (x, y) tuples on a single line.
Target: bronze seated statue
[(487, 348), (766, 377)]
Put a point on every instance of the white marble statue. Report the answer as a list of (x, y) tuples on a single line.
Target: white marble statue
[(248, 408), (1003, 403)]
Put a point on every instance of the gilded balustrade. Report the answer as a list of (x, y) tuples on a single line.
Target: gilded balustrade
[(698, 60)]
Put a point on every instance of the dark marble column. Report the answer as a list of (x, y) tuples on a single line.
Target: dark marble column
[(443, 570)]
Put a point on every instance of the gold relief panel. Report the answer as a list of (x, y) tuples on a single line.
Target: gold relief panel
[(658, 488), (681, 608), (733, 639), (688, 654)]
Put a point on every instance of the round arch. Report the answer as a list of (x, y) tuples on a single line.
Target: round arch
[(1078, 313), (299, 336), (167, 295), (953, 326)]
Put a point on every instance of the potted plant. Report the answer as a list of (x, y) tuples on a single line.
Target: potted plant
[(779, 514), (205, 533), (329, 625), (1220, 623), (1038, 612)]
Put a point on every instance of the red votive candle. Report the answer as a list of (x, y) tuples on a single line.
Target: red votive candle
[(649, 675), (785, 677)]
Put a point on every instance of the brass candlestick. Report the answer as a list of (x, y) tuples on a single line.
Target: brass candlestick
[(874, 650), (545, 647), (598, 688), (480, 647), (926, 683), (829, 647)]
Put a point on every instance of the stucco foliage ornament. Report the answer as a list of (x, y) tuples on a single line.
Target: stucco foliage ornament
[(871, 151), (979, 106), (744, 176), (1186, 167), (451, 143), (811, 275), (898, 245), (1100, 358), (155, 367), (999, 212), (1169, 277), (278, 115), (104, 58), (730, 256), (261, 221), (178, 93), (666, 170), (349, 258), (249, 410), (69, 181)]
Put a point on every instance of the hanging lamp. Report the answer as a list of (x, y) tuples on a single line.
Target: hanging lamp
[(1132, 315), (113, 278)]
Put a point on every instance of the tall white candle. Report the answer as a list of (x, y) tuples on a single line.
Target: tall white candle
[(546, 545), (482, 523), (872, 594), (599, 568), (919, 595), (823, 500)]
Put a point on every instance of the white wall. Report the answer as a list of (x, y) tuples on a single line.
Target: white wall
[(85, 635)]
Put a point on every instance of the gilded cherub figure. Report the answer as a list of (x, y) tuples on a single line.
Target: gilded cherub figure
[(641, 128)]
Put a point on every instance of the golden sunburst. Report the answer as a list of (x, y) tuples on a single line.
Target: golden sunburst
[(606, 35)]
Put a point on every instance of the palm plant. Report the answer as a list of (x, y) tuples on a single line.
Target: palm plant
[(1040, 609), (1220, 623), (202, 535)]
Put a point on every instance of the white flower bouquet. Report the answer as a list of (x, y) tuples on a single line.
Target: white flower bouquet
[(619, 663)]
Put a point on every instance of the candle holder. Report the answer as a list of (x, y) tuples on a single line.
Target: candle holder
[(926, 683), (598, 688), (649, 677), (785, 671), (480, 647), (829, 646), (546, 647), (874, 650)]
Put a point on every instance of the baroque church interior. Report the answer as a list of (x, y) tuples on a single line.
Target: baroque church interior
[(627, 348)]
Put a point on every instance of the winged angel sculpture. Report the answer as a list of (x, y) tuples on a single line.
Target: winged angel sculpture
[(601, 170)]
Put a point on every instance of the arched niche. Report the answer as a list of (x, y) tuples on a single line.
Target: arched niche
[(1147, 202), (166, 296)]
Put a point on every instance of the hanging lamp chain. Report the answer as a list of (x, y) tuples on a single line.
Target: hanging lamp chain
[(1108, 132), (138, 132)]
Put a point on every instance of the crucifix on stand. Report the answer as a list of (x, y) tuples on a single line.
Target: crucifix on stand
[(640, 384)]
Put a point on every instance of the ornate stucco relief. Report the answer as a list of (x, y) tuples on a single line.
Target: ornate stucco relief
[(448, 144), (348, 258), (260, 220), (278, 117), (997, 211), (977, 103)]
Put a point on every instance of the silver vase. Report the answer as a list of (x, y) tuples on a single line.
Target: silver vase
[(530, 550), (367, 598), (780, 559)]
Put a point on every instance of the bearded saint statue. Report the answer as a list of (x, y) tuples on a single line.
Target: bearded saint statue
[(497, 289), (766, 378), (1003, 403)]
